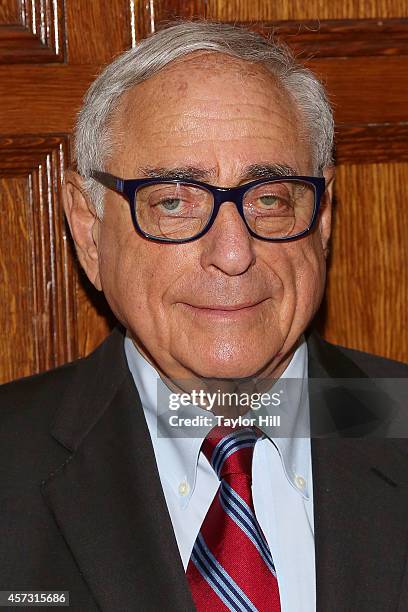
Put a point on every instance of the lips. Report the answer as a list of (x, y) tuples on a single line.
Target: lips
[(226, 312), (226, 307)]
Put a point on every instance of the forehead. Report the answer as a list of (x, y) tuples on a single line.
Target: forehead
[(212, 108)]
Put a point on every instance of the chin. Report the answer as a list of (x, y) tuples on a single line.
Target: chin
[(231, 368), (221, 357)]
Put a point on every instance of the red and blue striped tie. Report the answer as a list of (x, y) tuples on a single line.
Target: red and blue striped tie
[(231, 566)]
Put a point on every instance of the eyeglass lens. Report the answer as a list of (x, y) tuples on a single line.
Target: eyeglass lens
[(178, 211)]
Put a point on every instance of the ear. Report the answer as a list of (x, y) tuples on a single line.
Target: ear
[(325, 218), (84, 225)]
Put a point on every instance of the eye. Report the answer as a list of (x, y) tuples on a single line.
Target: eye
[(170, 203), (269, 200)]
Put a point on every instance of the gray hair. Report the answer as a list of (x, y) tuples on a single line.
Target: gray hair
[(93, 142)]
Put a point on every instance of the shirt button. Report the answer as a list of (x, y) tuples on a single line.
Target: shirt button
[(300, 482), (183, 488)]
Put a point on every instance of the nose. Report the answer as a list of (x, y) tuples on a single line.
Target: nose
[(228, 246)]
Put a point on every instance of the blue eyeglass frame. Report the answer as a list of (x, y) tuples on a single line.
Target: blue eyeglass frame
[(129, 188)]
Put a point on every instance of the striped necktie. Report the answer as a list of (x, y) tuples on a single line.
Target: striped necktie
[(231, 566)]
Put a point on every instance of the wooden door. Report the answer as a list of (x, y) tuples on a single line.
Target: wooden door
[(50, 51)]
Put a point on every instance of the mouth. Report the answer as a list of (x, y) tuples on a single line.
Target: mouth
[(225, 311)]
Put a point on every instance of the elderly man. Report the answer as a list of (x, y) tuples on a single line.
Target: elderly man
[(202, 209)]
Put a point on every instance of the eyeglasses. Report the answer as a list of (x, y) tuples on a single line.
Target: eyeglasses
[(275, 208)]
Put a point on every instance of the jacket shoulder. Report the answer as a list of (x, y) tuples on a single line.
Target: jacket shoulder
[(27, 411), (29, 408), (48, 388), (336, 361), (36, 396), (375, 366)]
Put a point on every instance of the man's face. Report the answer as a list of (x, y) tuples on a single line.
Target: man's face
[(218, 116)]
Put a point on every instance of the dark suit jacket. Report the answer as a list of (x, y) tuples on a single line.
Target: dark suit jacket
[(82, 508)]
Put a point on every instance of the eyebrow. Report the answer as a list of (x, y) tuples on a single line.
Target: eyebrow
[(200, 173), (256, 171), (196, 173)]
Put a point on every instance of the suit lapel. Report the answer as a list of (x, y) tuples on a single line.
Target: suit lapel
[(107, 498), (360, 492)]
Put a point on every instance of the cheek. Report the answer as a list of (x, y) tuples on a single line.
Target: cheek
[(123, 265), (310, 275), (136, 276), (128, 281)]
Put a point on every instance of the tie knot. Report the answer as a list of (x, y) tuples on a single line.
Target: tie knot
[(230, 450)]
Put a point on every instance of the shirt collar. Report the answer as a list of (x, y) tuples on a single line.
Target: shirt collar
[(177, 453)]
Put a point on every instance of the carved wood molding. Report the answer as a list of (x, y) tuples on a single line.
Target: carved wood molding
[(372, 143), (148, 16), (340, 37), (42, 160), (37, 36)]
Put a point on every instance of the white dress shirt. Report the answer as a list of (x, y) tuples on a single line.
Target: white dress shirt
[(282, 485)]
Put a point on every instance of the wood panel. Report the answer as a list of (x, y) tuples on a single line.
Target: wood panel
[(10, 13), (97, 30), (315, 38), (36, 296), (53, 312), (372, 143), (32, 31), (331, 29), (367, 295), (149, 15), (265, 10), (35, 89), (365, 89), (18, 345)]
